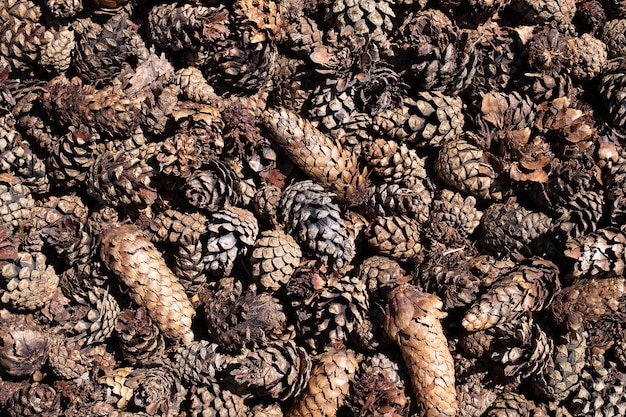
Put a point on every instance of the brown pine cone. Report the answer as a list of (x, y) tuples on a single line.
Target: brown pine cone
[(511, 404), (589, 55), (474, 388), (214, 186), (453, 217), (557, 12), (598, 254), (16, 201), (139, 265), (614, 36), (381, 274), (72, 156), (326, 390), (36, 399), (279, 370), (388, 199), (398, 237), (412, 320), (24, 346), (529, 287), (394, 162), (211, 400), (275, 257), (30, 283), (66, 358), (139, 338), (612, 86), (197, 362), (321, 157), (157, 389)]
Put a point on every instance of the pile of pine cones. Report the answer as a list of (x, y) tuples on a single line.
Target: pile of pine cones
[(313, 208)]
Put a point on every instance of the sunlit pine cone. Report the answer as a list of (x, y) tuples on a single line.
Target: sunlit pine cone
[(380, 274), (310, 215), (383, 91), (500, 113), (616, 191), (23, 10), (213, 186), (22, 41), (293, 82), (335, 314), (274, 259), (378, 389), (446, 273), (612, 87), (372, 17), (479, 344), (230, 234), (512, 404), (157, 389), (601, 392), (556, 12), (426, 119), (24, 346), (66, 359), (589, 55), (523, 348), (188, 32), (318, 155), (529, 287), (453, 217), (598, 254), (211, 400), (475, 390), (56, 53), (138, 336), (509, 228), (16, 155), (30, 282), (279, 370), (545, 86), (580, 216), (72, 156), (614, 36), (197, 362), (36, 399), (64, 8), (194, 86), (388, 199), (121, 178), (266, 201), (326, 391), (302, 34), (398, 237), (461, 165), (394, 162), (412, 320), (152, 285), (8, 246), (16, 201), (561, 374), (237, 319), (588, 301), (103, 50), (329, 108)]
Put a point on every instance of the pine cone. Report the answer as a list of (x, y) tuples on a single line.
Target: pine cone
[(326, 390), (30, 283), (429, 119), (230, 234), (316, 223), (211, 400), (72, 156), (474, 388), (213, 187), (388, 199), (139, 338), (511, 404), (236, 319), (612, 86), (453, 218), (274, 259), (279, 370), (381, 275), (394, 162), (558, 12), (412, 320), (462, 166), (24, 346), (16, 201), (322, 158), (613, 35), (589, 55), (509, 228), (530, 287), (64, 8), (198, 362), (152, 285), (36, 399), (598, 254), (562, 372), (398, 237), (157, 389), (602, 391), (66, 358)]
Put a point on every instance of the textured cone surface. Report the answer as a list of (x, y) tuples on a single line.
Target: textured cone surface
[(462, 166), (380, 274), (211, 400), (36, 399), (197, 362), (511, 404), (558, 12), (412, 320), (16, 201), (387, 199), (614, 36), (394, 162), (453, 217), (157, 389), (612, 87), (30, 282), (429, 120), (599, 254), (72, 156), (24, 348), (589, 55), (138, 264), (214, 187), (274, 259), (311, 216), (139, 338), (562, 372), (528, 288), (326, 391), (279, 370), (473, 392), (510, 228), (395, 236), (322, 158), (230, 234)]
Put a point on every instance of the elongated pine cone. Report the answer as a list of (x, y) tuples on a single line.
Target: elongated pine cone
[(326, 391), (139, 265), (412, 320)]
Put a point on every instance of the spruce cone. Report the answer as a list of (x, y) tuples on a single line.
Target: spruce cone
[(326, 390), (322, 158), (152, 284), (315, 221), (274, 259), (530, 287), (412, 320), (230, 233), (279, 370)]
